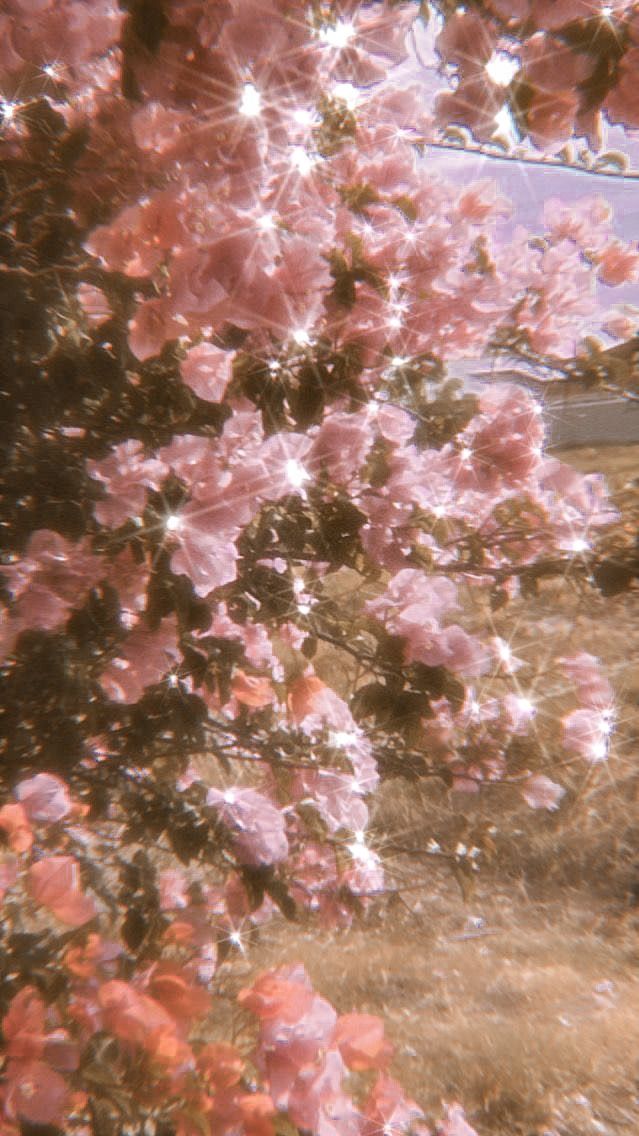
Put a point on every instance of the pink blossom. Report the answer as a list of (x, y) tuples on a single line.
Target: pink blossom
[(202, 551), (550, 117), (282, 465), (151, 327), (411, 607), (554, 14), (451, 647), (45, 798), (475, 102), (586, 222), (455, 1123), (394, 424), (23, 1025), (317, 1102), (195, 289), (622, 101), (94, 304), (207, 370), (365, 876), (387, 1108), (620, 324), (541, 793), (173, 889), (258, 648), (296, 1028), (53, 575), (126, 475), (285, 993), (258, 827), (130, 579), (480, 202), (413, 596), (519, 711), (63, 568), (341, 445), (68, 34), (618, 264), (466, 40), (593, 688), (549, 65), (336, 796), (142, 660), (506, 439), (586, 732)]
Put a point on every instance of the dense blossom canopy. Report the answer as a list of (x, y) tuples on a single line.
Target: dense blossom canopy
[(234, 468)]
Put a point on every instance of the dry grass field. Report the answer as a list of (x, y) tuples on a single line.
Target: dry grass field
[(521, 1000)]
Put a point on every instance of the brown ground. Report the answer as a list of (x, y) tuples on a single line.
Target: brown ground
[(522, 1001)]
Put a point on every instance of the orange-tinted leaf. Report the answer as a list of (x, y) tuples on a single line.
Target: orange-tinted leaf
[(220, 1064), (273, 997), (252, 690), (361, 1042), (15, 822), (55, 883), (132, 1016), (35, 1093), (173, 991), (257, 1110), (301, 695), (23, 1025)]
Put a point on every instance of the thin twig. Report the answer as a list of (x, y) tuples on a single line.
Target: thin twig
[(548, 161)]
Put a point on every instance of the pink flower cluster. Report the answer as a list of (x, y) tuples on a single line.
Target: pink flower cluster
[(255, 202), (556, 50), (305, 1052), (46, 583), (587, 730), (412, 607)]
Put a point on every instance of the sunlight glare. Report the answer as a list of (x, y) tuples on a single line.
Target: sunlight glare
[(8, 110), (304, 116), (504, 122), (349, 94), (251, 101), (337, 34), (501, 68), (296, 475), (266, 222), (301, 160), (578, 544)]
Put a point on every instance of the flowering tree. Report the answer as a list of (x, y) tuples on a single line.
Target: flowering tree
[(558, 67), (231, 288)]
